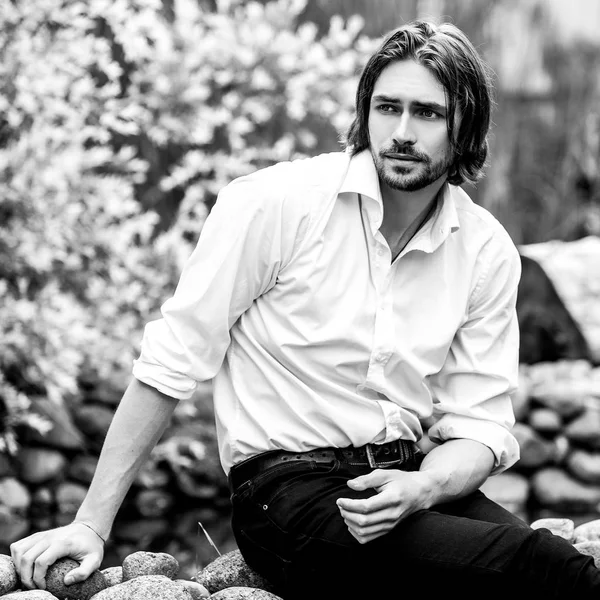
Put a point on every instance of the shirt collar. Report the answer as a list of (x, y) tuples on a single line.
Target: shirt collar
[(361, 178)]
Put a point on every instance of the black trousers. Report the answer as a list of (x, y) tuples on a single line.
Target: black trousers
[(288, 528)]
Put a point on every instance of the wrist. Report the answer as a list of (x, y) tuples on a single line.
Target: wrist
[(91, 526)]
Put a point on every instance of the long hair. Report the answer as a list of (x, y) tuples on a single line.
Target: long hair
[(451, 57)]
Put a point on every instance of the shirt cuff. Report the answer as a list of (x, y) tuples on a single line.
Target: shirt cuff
[(175, 385), (497, 438)]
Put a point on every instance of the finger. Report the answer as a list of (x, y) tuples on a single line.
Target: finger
[(364, 505), (87, 566), (26, 564), (373, 479)]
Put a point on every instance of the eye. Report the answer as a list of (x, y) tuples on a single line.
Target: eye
[(427, 113), (386, 108)]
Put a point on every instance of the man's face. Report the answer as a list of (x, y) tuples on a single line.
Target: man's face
[(407, 127)]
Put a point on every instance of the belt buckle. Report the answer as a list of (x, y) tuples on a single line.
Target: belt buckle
[(370, 457)]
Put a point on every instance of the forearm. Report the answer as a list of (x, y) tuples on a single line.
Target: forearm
[(456, 468), (137, 425)]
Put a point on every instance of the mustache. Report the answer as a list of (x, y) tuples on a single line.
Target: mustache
[(408, 150)]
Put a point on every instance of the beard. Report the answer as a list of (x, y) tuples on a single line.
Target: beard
[(411, 178)]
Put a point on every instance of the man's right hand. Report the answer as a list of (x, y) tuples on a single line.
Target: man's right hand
[(34, 554)]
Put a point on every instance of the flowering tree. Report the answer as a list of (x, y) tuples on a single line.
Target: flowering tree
[(119, 123)]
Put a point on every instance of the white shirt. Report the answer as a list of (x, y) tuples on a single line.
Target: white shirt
[(313, 338)]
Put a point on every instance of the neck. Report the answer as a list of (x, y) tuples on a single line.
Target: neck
[(400, 209)]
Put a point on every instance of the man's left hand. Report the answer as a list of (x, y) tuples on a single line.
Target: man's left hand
[(399, 494)]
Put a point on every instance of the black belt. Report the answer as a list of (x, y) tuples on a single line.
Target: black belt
[(376, 456)]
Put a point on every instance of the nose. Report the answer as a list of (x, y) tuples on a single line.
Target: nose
[(404, 133)]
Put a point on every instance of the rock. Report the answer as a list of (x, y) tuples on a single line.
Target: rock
[(149, 563), (141, 531), (536, 451), (113, 575), (7, 468), (585, 429), (509, 489), (153, 503), (545, 420), (82, 469), (587, 532), (12, 525), (548, 330), (55, 584), (14, 495), (42, 503), (38, 465), (563, 527), (573, 269), (244, 593), (152, 475), (584, 465), (566, 398), (591, 549), (145, 587), (230, 570), (63, 434), (196, 590), (9, 579), (69, 496), (94, 421), (553, 488), (30, 595)]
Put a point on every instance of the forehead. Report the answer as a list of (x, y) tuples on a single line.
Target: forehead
[(409, 81)]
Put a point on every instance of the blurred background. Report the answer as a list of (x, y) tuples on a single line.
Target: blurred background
[(120, 120)]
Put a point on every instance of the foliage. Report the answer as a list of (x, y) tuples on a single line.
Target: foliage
[(120, 121)]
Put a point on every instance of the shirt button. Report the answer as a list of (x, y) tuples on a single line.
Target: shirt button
[(380, 252)]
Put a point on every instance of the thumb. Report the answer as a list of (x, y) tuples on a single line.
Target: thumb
[(373, 479), (87, 566)]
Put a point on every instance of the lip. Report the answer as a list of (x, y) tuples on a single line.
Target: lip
[(404, 157)]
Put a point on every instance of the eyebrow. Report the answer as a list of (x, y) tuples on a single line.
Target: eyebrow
[(419, 104)]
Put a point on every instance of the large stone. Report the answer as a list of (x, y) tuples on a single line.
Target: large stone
[(145, 587), (149, 563), (230, 570), (591, 549), (38, 465), (509, 489), (113, 575), (536, 450), (584, 465), (587, 532), (244, 593), (545, 420), (558, 526), (94, 421), (554, 488), (196, 590), (83, 467), (548, 330), (84, 590), (573, 269), (14, 495), (153, 503), (69, 496), (30, 595), (63, 434), (9, 578), (585, 429)]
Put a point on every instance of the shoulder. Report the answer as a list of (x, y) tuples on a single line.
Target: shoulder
[(479, 223)]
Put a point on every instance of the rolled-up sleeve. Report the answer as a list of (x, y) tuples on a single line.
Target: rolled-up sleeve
[(241, 248), (472, 392)]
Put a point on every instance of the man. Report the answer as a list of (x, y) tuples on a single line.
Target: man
[(341, 304)]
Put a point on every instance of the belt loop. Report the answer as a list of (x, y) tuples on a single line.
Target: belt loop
[(370, 457)]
